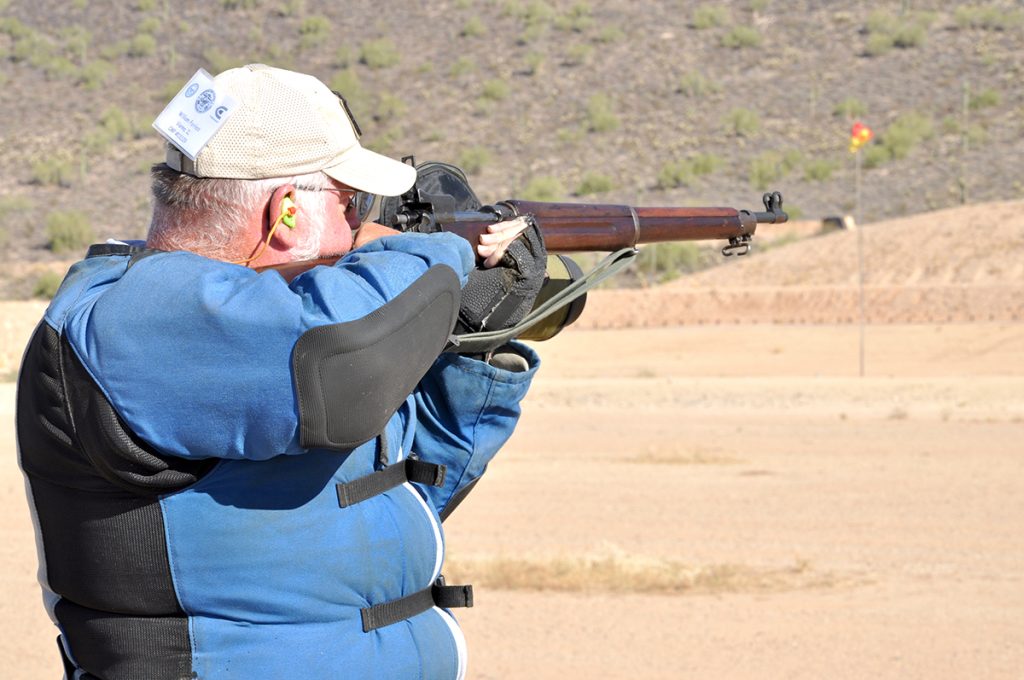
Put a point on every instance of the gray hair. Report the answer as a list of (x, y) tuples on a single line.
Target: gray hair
[(205, 215)]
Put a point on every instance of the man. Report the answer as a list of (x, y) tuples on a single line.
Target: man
[(237, 476)]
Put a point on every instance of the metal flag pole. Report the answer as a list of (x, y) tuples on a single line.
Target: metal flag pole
[(859, 136), (860, 260)]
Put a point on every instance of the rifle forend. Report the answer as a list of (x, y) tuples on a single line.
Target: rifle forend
[(576, 227)]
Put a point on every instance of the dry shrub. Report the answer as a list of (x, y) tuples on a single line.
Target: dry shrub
[(617, 572)]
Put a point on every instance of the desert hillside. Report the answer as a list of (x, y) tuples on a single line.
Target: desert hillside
[(661, 103)]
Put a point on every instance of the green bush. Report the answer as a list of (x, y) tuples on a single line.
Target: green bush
[(383, 142), (886, 30), (120, 124), (46, 285), (473, 28), (537, 13), (12, 210), (380, 53), (240, 4), (882, 21), (142, 45), (594, 183), (115, 125), (344, 56), (976, 134), (531, 34), (875, 155), (570, 136), (709, 16), (76, 42), (600, 116), (819, 169), (12, 27), (675, 174), (985, 99), (705, 164), (682, 173), (609, 34), (578, 54), (95, 73), (348, 84), (495, 90), (791, 158), (910, 35), (743, 122), (989, 17), (740, 37), (694, 84), (878, 44), (59, 67), (766, 169), (542, 188), (150, 25), (906, 132), (388, 108), (851, 107), (769, 167), (68, 230), (52, 172), (577, 19), (313, 31), (114, 50), (291, 8), (534, 63), (473, 159), (670, 260), (33, 48), (462, 66)]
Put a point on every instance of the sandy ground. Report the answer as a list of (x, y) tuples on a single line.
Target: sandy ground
[(853, 527), (729, 498)]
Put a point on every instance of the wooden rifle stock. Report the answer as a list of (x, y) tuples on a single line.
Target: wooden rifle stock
[(576, 227)]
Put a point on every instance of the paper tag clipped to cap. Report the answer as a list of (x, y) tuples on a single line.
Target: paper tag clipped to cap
[(195, 114)]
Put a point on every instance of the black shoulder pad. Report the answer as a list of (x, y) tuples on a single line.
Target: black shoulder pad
[(351, 377)]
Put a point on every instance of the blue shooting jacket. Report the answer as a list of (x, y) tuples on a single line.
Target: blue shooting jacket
[(251, 570)]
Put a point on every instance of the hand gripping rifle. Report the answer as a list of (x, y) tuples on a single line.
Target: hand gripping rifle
[(442, 200)]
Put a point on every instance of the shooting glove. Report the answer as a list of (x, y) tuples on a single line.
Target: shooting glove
[(499, 297)]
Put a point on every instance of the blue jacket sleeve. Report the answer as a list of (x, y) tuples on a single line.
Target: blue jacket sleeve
[(195, 354), (466, 410)]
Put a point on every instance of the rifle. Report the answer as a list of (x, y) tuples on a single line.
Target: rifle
[(441, 200)]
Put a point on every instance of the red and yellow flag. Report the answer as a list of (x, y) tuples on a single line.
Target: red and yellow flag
[(860, 135)]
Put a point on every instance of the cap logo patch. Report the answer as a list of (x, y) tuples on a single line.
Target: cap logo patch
[(188, 123)]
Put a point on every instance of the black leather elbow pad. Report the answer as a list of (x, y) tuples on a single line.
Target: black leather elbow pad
[(351, 377)]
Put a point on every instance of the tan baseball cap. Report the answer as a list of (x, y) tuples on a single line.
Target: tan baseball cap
[(290, 124)]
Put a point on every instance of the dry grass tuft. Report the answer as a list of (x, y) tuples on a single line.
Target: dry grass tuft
[(689, 456), (621, 573)]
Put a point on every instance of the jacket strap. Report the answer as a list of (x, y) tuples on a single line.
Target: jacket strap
[(438, 594), (408, 470)]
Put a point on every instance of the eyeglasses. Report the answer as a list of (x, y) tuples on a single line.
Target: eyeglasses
[(361, 202)]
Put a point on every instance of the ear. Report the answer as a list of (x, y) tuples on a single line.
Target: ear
[(285, 237)]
